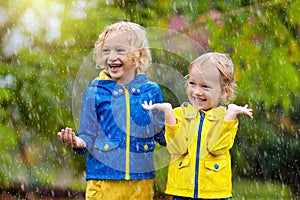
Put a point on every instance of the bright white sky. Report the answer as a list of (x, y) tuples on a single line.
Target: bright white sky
[(40, 17)]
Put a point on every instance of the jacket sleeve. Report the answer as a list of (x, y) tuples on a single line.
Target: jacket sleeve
[(177, 141), (89, 125), (222, 138), (160, 137), (159, 120)]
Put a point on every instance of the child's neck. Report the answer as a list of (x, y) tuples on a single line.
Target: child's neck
[(125, 79)]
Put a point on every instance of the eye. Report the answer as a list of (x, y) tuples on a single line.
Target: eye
[(105, 51), (121, 51), (205, 86), (191, 83)]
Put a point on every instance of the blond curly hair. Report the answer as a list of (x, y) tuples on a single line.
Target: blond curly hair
[(138, 44)]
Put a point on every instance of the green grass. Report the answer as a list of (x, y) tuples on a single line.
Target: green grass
[(243, 189), (256, 190)]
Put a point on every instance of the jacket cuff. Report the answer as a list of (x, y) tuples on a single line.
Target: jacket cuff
[(171, 130), (80, 151)]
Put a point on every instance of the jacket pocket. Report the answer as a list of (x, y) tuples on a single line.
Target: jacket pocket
[(107, 145), (145, 146), (180, 175), (215, 165), (217, 175), (184, 163)]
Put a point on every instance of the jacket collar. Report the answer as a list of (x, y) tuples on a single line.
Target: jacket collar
[(139, 79), (103, 76), (133, 86), (214, 114)]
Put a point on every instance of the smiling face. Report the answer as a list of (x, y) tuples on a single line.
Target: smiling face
[(117, 57), (127, 36), (204, 87)]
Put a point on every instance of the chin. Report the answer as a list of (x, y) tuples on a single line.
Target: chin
[(197, 106)]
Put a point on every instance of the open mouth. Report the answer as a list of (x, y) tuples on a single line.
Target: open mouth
[(199, 100), (114, 67)]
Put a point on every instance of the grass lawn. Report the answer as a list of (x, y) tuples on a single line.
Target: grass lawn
[(243, 189), (252, 189)]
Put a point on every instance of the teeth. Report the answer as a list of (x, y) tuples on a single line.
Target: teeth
[(114, 65), (200, 99)]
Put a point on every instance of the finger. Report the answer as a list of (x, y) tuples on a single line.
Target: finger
[(246, 106), (74, 142), (249, 114), (61, 131), (69, 130), (62, 135), (150, 103), (145, 106), (66, 137)]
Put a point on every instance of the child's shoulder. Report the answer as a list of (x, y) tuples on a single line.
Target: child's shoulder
[(187, 106), (216, 113), (187, 110), (103, 77), (98, 82), (143, 81)]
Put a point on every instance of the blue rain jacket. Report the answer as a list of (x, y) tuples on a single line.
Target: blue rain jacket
[(119, 133)]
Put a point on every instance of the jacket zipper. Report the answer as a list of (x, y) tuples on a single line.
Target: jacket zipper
[(198, 155), (127, 174)]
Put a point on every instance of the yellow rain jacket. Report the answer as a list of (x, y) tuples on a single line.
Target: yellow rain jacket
[(199, 146)]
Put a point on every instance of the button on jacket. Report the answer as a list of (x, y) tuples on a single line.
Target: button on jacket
[(200, 160), (119, 133)]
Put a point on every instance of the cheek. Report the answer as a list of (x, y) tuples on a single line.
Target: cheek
[(189, 93), (134, 60), (188, 90), (189, 96), (102, 59)]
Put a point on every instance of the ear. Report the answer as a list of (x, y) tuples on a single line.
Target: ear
[(226, 92)]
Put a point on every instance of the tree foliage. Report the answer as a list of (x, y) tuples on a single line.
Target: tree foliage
[(45, 42)]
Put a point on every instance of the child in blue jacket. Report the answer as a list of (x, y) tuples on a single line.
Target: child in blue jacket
[(115, 130)]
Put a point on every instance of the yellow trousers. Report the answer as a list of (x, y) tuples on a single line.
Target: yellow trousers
[(119, 189)]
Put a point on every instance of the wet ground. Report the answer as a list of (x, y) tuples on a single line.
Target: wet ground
[(8, 196)]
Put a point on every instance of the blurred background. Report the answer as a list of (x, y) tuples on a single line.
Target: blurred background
[(44, 43)]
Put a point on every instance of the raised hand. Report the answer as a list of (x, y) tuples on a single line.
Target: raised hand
[(68, 138), (234, 110), (157, 106), (166, 108)]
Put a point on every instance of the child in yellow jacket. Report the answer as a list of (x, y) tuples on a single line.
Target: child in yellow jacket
[(200, 133)]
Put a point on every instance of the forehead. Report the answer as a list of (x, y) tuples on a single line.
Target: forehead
[(206, 74), (117, 36)]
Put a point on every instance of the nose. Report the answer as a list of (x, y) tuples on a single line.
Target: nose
[(198, 90), (112, 56)]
